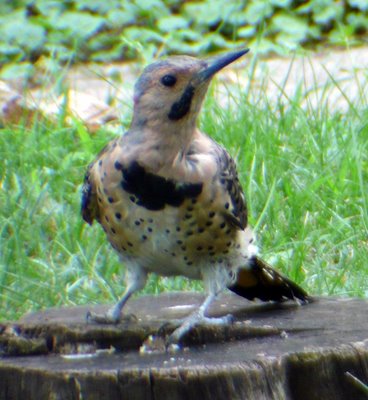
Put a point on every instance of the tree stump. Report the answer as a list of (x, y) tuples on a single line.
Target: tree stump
[(271, 351)]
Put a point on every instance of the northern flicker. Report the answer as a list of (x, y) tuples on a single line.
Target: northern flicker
[(169, 198)]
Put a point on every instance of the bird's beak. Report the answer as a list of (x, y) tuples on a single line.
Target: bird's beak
[(215, 64)]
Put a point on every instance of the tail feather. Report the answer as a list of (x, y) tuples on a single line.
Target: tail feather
[(261, 281)]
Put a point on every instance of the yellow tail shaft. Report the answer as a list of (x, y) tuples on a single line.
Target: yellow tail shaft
[(261, 281)]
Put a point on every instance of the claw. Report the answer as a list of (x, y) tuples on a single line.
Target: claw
[(197, 319), (109, 318), (100, 318)]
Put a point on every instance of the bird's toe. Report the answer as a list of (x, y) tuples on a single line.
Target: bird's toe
[(109, 318), (194, 320), (101, 318)]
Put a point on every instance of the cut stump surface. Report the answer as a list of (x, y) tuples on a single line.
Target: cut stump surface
[(271, 351)]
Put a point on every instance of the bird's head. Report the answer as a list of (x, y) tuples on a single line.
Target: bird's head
[(169, 93)]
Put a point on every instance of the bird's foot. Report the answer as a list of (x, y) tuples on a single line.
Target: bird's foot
[(109, 317), (196, 319)]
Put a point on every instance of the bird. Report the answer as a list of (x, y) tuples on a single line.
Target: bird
[(170, 201)]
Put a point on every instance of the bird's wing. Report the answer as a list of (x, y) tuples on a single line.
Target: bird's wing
[(237, 213), (89, 205)]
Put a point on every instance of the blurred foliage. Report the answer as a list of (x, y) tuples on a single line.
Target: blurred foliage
[(72, 31)]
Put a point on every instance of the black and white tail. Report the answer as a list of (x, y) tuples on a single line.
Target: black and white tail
[(260, 281)]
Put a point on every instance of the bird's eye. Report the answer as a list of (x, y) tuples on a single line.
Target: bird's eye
[(168, 80)]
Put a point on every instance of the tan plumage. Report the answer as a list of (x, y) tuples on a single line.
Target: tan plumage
[(169, 198)]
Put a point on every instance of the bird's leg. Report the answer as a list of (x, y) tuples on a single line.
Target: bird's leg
[(136, 280), (113, 315), (199, 317)]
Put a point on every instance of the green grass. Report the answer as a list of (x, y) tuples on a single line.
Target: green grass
[(304, 173)]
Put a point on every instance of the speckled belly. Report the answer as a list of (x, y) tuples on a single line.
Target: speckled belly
[(171, 241)]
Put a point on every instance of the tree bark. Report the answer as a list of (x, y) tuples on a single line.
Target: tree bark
[(271, 351)]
